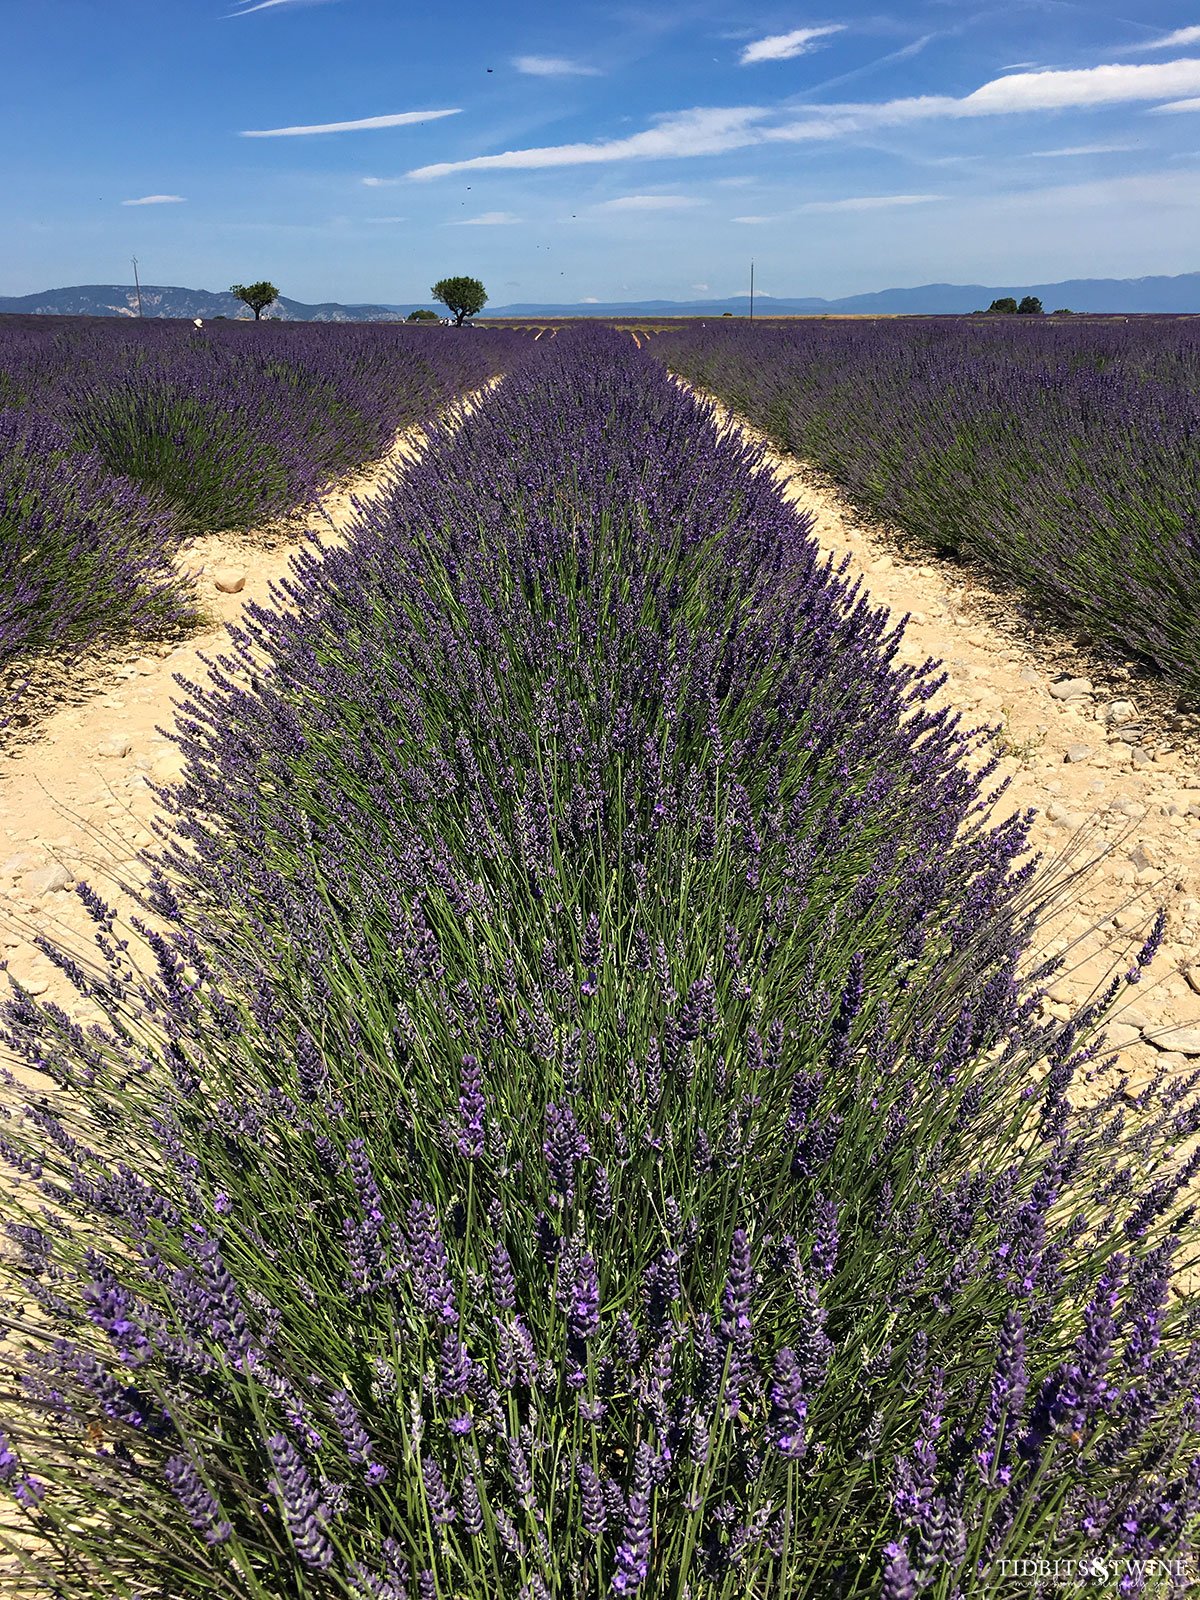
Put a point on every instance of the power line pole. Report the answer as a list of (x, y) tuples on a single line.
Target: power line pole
[(752, 291), (137, 286)]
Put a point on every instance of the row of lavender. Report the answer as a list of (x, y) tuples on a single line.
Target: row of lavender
[(1063, 456), (585, 1133), (118, 440)]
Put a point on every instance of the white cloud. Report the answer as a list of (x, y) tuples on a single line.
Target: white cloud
[(487, 219), (553, 67), (1084, 86), (871, 202), (700, 288), (270, 5), (156, 200), (590, 300), (1171, 41), (385, 219), (701, 132), (650, 202), (753, 221), (1086, 150), (714, 130), (1176, 105), (784, 46), (398, 119)]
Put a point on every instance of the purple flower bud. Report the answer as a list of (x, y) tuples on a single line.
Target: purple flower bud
[(583, 1314), (471, 1107), (441, 1507), (304, 1511), (199, 1504), (564, 1147)]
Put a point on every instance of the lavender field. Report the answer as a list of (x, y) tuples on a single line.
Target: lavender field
[(1061, 455), (119, 440), (576, 1119)]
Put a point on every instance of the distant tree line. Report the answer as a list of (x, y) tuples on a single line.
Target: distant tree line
[(1030, 306)]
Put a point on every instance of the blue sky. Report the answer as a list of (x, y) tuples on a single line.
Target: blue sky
[(356, 150)]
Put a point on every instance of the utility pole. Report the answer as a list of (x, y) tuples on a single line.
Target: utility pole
[(137, 286), (752, 291)]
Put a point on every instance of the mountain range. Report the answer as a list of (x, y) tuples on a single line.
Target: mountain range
[(1164, 295)]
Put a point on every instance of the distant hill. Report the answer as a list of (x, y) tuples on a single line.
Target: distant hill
[(1117, 295), (120, 300)]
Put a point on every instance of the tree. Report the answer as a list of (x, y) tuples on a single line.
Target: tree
[(462, 297), (422, 316), (1006, 304), (1063, 311), (258, 296), (1031, 306)]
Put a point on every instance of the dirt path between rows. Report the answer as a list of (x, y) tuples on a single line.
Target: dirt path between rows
[(76, 801), (1112, 781)]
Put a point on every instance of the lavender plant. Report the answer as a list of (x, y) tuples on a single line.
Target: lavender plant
[(1060, 455), (584, 1131), (116, 441), (85, 557)]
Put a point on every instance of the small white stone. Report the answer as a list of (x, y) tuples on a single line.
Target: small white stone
[(1178, 1041), (1071, 688), (229, 580), (47, 880), (1077, 752), (119, 745)]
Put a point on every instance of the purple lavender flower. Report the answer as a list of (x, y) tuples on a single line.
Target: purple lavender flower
[(583, 1314), (592, 1513), (430, 1265), (27, 1491), (789, 1407), (437, 1496), (471, 1107), (304, 1511), (898, 1580), (355, 1437), (564, 1147), (199, 1503), (632, 1560)]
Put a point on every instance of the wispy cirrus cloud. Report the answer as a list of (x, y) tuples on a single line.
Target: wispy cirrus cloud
[(156, 200), (1085, 150), (870, 202), (553, 67), (1180, 39), (785, 46), (1176, 105), (650, 202), (246, 8), (704, 131), (715, 130), (487, 219), (397, 119)]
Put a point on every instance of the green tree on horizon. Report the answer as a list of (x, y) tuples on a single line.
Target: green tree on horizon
[(462, 297), (258, 296)]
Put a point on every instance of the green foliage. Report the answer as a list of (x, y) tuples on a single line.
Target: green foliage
[(1031, 306), (1005, 305), (422, 316), (258, 296), (462, 297)]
